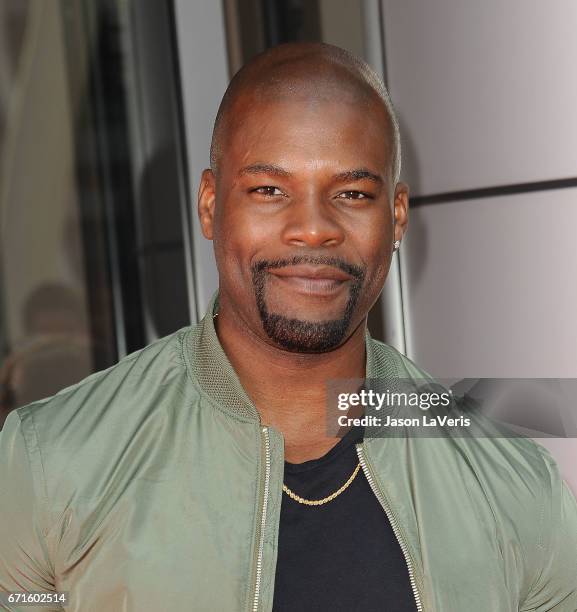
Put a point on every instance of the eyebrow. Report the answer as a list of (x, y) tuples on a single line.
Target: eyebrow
[(358, 174), (264, 169), (355, 174)]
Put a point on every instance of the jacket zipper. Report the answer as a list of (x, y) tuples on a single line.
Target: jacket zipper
[(393, 521), (255, 601)]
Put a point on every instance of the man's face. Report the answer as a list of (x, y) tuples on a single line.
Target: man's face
[(301, 219)]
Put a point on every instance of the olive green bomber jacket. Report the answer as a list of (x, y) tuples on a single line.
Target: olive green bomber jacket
[(152, 485)]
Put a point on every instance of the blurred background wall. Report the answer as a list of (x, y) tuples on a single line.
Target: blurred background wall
[(106, 112)]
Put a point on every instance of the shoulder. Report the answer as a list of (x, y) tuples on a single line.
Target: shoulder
[(514, 471), (520, 481), (87, 413), (385, 356), (155, 359), (534, 513), (518, 451)]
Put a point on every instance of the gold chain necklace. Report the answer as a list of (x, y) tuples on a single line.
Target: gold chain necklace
[(324, 500)]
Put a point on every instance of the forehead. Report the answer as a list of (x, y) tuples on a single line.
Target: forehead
[(308, 132)]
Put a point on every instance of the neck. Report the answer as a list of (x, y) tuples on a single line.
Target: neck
[(289, 389)]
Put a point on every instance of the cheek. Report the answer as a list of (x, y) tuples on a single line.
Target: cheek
[(238, 239), (241, 235), (382, 269), (373, 235), (375, 249), (377, 273)]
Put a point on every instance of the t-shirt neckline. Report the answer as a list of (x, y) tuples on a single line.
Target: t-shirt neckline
[(354, 435)]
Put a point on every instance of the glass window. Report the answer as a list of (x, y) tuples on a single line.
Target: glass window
[(93, 223), (255, 25)]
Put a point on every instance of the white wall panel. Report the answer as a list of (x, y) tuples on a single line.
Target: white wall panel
[(489, 286), (486, 91)]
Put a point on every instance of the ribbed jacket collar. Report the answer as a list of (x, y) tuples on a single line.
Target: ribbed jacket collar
[(216, 376)]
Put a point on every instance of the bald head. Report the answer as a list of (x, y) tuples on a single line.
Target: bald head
[(314, 72)]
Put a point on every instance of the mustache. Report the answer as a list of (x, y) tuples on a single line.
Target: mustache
[(356, 271)]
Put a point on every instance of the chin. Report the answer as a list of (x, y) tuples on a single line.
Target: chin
[(303, 336)]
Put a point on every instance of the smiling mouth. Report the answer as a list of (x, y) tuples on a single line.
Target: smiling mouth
[(312, 280)]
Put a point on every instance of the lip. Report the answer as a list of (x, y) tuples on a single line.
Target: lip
[(320, 281), (311, 272)]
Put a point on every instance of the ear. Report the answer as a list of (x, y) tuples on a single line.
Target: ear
[(206, 202), (401, 210)]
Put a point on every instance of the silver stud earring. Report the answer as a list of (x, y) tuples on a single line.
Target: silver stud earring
[(396, 244)]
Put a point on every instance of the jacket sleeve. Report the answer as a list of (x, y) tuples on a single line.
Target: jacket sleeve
[(24, 557), (555, 587)]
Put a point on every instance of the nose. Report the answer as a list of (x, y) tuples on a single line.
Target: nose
[(312, 222)]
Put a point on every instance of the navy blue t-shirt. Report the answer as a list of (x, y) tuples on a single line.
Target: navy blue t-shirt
[(343, 555)]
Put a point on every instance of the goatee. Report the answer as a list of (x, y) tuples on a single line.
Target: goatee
[(300, 335)]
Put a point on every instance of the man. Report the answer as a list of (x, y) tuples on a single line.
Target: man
[(199, 474)]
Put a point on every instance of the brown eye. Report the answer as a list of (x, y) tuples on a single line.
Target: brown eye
[(354, 195), (268, 190)]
